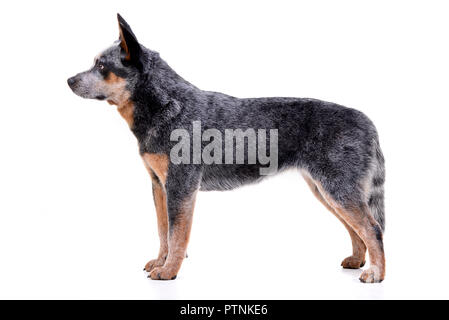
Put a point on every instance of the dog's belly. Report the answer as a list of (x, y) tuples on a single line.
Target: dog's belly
[(228, 177)]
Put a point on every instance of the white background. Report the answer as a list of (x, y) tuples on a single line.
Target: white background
[(76, 212)]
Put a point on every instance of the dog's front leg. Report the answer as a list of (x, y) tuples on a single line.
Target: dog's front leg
[(160, 202), (181, 195)]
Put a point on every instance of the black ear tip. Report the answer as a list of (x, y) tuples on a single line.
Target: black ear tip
[(122, 22), (120, 19)]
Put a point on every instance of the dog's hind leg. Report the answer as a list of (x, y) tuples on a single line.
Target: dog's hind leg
[(358, 216), (357, 259)]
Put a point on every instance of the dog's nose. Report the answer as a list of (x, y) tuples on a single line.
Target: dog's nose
[(71, 81)]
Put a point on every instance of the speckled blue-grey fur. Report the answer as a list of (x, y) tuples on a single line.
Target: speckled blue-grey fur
[(337, 146)]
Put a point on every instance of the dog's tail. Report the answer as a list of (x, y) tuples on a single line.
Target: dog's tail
[(376, 193)]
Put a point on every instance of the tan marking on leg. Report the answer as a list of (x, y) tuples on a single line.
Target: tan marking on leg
[(357, 260), (158, 163), (160, 202), (363, 223), (178, 241)]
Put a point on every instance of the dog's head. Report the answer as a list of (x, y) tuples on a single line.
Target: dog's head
[(115, 71)]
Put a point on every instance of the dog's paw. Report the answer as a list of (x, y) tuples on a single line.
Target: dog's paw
[(154, 264), (163, 273), (371, 275), (352, 262)]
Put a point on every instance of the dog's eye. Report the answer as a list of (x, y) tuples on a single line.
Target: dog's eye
[(101, 66)]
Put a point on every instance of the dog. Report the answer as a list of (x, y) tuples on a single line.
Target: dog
[(335, 148)]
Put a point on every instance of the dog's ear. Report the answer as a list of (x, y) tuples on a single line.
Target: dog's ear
[(131, 49)]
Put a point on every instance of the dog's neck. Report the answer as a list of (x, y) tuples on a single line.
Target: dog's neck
[(159, 97), (164, 84), (162, 93)]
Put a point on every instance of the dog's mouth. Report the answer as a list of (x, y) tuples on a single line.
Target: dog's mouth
[(80, 91), (85, 87)]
